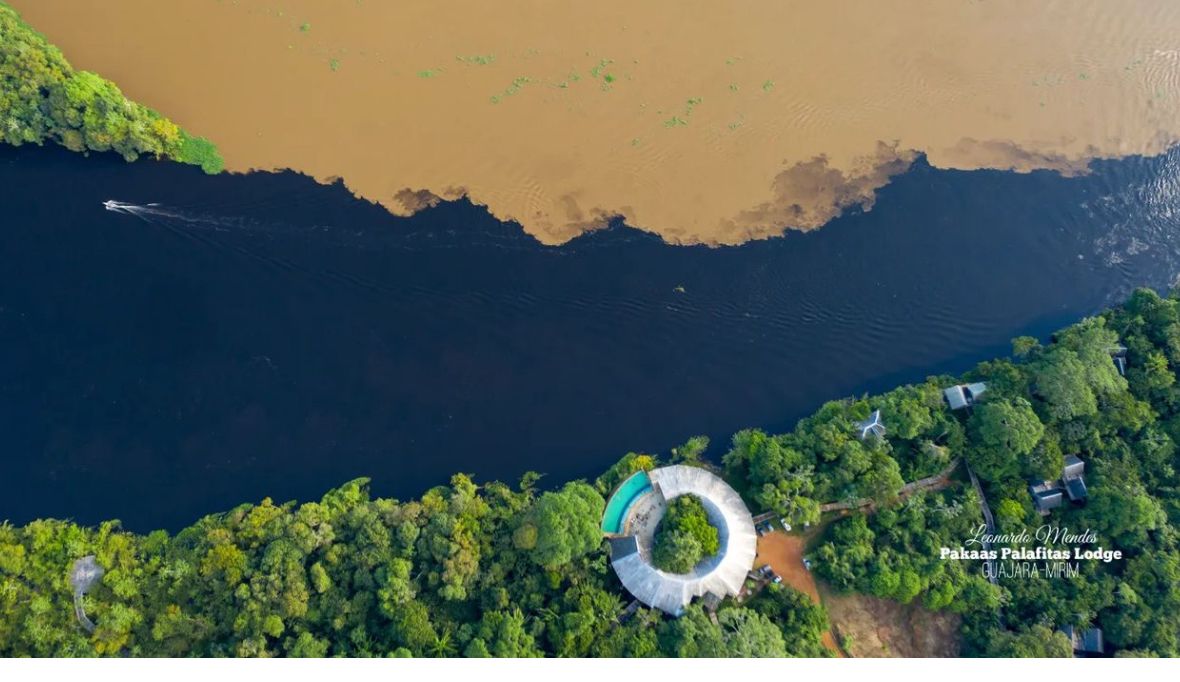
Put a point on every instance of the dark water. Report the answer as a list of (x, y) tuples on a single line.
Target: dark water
[(263, 335)]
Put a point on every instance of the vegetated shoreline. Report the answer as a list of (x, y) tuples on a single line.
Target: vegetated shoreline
[(512, 571), (44, 99)]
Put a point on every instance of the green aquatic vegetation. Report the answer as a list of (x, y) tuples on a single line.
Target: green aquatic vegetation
[(597, 69), (429, 73), (675, 122), (733, 87), (199, 152), (477, 60), (517, 84), (609, 78), (513, 88), (767, 86), (334, 64), (44, 99), (304, 27)]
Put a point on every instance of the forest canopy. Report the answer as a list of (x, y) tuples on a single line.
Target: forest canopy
[(510, 570), (43, 98)]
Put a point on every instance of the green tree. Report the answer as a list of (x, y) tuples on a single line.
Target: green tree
[(42, 98), (566, 523), (1003, 431), (684, 536), (1037, 641)]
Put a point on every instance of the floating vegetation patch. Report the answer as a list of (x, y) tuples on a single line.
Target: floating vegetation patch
[(304, 27), (597, 69), (429, 73), (682, 119), (477, 59), (767, 86), (517, 83), (334, 64)]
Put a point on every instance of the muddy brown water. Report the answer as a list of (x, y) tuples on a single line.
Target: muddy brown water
[(699, 121)]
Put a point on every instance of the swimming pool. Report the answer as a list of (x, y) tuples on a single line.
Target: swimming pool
[(618, 504)]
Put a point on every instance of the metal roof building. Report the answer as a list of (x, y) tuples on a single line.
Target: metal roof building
[(871, 426), (964, 395), (721, 575)]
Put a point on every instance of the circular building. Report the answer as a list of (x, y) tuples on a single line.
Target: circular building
[(635, 509)]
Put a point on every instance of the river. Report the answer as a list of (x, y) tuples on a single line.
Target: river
[(239, 336), (700, 121)]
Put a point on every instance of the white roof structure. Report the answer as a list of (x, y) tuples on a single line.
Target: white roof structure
[(721, 575), (964, 395), (871, 426)]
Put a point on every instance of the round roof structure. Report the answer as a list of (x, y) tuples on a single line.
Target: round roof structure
[(721, 575)]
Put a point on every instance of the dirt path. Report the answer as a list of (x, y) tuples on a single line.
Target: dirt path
[(784, 553)]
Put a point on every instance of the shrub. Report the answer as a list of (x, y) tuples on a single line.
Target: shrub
[(684, 536)]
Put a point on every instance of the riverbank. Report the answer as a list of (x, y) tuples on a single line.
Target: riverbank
[(43, 99), (479, 569)]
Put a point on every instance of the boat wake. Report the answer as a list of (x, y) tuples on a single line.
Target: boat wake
[(153, 210), (406, 236)]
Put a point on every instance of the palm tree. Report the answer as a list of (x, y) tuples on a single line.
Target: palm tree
[(443, 646)]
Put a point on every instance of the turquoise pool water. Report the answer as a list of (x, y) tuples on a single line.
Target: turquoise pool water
[(616, 507)]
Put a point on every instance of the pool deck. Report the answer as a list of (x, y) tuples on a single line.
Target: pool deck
[(643, 517)]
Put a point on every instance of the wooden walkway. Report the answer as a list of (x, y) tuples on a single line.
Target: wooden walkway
[(939, 480), (987, 519)]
